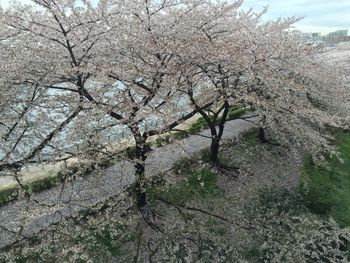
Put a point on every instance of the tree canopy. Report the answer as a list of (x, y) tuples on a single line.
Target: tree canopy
[(73, 73)]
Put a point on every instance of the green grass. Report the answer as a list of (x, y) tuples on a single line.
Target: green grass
[(8, 195), (198, 125), (196, 185), (180, 135), (160, 141), (327, 188), (237, 111), (45, 183), (183, 165)]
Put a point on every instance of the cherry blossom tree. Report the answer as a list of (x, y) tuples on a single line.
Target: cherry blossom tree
[(297, 92), (73, 73), (268, 66)]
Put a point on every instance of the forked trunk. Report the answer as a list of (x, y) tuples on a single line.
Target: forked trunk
[(216, 135)]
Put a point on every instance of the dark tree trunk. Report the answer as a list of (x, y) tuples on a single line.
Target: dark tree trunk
[(140, 159), (261, 135), (141, 149), (139, 188), (216, 136), (261, 132), (262, 138), (214, 150)]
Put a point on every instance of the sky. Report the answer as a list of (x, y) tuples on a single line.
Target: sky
[(322, 16)]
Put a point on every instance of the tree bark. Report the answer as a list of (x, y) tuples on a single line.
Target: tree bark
[(139, 190), (261, 135), (216, 136), (140, 161), (261, 132), (214, 150)]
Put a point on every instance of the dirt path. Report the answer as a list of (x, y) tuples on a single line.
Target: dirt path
[(49, 206)]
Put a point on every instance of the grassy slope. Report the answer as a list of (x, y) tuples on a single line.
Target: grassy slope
[(327, 188)]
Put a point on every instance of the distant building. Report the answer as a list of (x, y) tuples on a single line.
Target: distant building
[(312, 38), (336, 37), (332, 38)]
